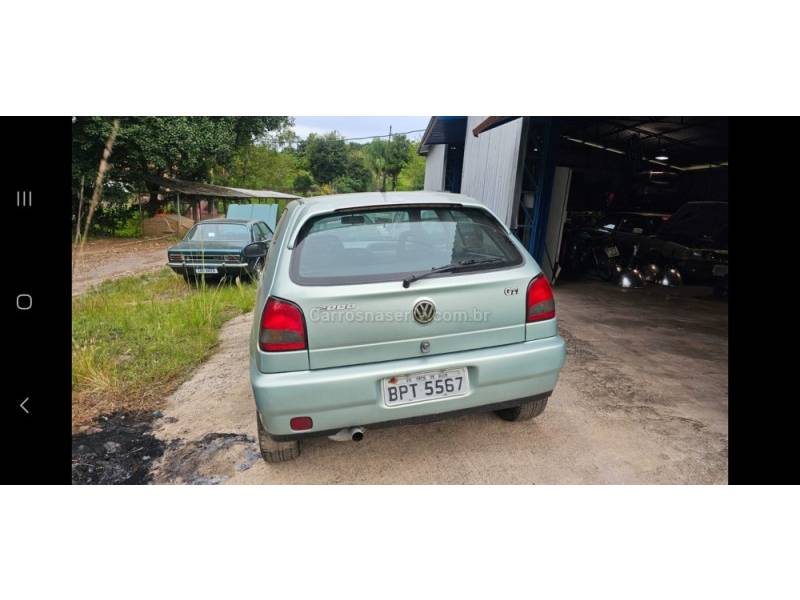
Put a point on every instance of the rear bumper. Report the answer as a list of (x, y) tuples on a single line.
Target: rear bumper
[(351, 396), (222, 268)]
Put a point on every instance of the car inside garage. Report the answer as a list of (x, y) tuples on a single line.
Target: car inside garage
[(642, 194)]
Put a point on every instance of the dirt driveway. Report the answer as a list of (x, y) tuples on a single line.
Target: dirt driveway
[(643, 398), (104, 259)]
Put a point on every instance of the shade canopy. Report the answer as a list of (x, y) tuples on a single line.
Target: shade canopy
[(194, 188)]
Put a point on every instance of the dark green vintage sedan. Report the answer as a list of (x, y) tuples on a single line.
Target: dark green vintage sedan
[(219, 248)]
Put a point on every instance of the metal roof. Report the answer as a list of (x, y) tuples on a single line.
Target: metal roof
[(490, 123), (196, 188), (443, 130), (690, 143)]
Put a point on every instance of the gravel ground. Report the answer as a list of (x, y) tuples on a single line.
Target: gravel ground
[(643, 398), (104, 259)]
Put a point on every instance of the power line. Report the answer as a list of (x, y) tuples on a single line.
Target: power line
[(368, 137)]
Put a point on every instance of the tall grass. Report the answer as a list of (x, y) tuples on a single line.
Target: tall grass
[(136, 338)]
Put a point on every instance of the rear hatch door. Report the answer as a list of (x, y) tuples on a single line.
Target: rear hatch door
[(349, 272)]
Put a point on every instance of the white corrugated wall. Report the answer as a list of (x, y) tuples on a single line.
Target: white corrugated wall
[(492, 167), (434, 168)]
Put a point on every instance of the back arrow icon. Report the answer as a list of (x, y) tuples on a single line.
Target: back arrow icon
[(22, 406)]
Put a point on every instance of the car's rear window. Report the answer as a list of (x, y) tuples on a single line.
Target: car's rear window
[(385, 244), (219, 232)]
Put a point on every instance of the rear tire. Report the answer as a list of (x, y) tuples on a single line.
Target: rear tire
[(275, 452), (524, 412)]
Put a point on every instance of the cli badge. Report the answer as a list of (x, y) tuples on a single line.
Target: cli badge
[(511, 291)]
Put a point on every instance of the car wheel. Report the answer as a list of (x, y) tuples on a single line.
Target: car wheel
[(525, 411), (275, 452)]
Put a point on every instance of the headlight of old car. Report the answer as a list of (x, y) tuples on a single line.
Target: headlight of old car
[(630, 278), (671, 278)]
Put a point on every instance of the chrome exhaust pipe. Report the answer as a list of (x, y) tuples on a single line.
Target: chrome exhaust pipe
[(354, 434)]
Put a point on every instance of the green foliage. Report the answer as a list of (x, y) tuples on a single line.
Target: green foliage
[(397, 154), (376, 158), (303, 182), (116, 219), (260, 167), (183, 147), (248, 152), (332, 166), (326, 156), (387, 158), (412, 175), (357, 177)]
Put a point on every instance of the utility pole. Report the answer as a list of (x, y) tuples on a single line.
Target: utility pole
[(385, 159)]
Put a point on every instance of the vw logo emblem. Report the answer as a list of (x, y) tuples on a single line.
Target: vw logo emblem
[(424, 311)]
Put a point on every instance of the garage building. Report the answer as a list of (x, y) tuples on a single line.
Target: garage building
[(532, 171)]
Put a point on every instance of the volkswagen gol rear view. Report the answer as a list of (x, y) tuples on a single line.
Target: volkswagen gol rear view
[(386, 308)]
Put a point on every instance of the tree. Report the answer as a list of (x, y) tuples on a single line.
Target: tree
[(98, 187), (376, 158), (387, 158), (183, 147), (357, 177), (326, 156), (303, 183), (260, 167), (412, 176), (397, 155)]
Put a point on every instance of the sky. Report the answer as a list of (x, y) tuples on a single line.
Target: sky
[(356, 127)]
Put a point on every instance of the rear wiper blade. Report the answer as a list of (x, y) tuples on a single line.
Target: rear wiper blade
[(469, 262)]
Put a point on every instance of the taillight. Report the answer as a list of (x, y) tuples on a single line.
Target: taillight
[(282, 327), (540, 303)]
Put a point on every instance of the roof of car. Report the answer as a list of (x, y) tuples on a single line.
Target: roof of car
[(234, 221), (387, 198), (323, 204)]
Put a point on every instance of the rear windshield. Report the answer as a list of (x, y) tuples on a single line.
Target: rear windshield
[(383, 245), (219, 232)]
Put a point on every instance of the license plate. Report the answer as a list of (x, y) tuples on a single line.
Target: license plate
[(719, 270), (417, 387), (206, 270), (612, 251)]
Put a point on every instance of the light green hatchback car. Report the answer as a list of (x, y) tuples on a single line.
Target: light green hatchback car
[(385, 308)]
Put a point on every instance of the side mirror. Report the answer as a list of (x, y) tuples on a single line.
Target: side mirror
[(256, 250)]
